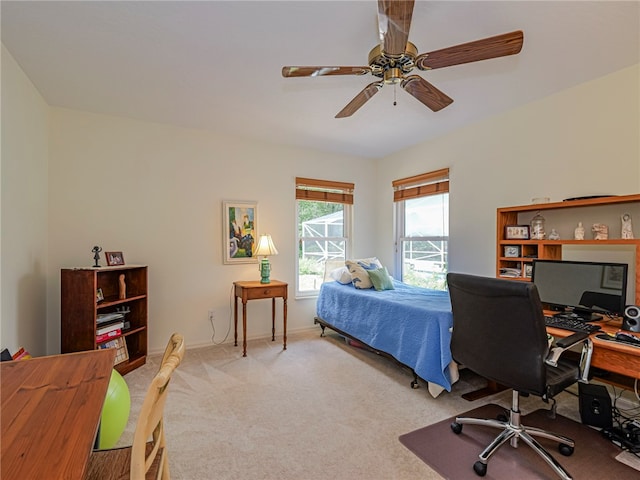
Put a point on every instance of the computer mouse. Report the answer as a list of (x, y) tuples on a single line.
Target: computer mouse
[(627, 337)]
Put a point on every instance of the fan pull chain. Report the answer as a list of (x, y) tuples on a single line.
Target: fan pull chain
[(394, 95)]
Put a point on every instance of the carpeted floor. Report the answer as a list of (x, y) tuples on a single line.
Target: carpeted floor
[(453, 455), (319, 410)]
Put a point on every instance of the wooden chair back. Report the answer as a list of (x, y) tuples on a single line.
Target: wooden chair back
[(150, 425)]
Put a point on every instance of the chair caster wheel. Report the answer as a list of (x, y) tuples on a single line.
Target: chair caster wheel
[(480, 468), (456, 427), (565, 449), (414, 384)]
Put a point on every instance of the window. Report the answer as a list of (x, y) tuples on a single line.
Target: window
[(422, 228), (324, 226)]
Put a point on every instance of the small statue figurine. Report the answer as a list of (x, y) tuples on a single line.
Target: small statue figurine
[(600, 231), (578, 233), (554, 235), (96, 251), (627, 228), (122, 290)]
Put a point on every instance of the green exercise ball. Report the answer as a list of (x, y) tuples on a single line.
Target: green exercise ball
[(115, 412)]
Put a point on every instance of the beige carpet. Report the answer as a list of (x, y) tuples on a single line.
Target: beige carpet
[(319, 410)]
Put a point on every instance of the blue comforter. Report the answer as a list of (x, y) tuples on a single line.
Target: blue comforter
[(410, 323)]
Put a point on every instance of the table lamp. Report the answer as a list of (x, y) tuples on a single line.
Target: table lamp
[(265, 248)]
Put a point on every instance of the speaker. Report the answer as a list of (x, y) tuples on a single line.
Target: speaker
[(631, 319), (595, 405)]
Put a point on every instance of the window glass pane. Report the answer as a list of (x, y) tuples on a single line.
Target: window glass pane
[(427, 216), (424, 241), (424, 263), (321, 238)]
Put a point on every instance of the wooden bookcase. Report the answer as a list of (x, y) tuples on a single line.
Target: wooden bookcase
[(80, 308), (564, 217)]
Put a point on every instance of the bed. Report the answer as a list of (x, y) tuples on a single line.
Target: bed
[(410, 324)]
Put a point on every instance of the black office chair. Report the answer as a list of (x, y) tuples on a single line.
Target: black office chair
[(602, 301), (499, 333)]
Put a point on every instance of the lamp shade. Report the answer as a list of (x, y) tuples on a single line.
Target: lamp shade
[(265, 246)]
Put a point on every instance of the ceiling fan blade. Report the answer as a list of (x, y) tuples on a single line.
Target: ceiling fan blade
[(491, 47), (360, 99), (321, 71), (426, 93), (394, 20)]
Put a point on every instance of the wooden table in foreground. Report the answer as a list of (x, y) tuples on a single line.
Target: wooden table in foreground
[(255, 290), (51, 409)]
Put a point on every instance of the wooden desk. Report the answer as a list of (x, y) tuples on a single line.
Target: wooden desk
[(51, 409), (256, 290), (610, 356)]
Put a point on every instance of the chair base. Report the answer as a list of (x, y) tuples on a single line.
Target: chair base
[(513, 430)]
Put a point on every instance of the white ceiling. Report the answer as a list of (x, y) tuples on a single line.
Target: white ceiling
[(216, 65)]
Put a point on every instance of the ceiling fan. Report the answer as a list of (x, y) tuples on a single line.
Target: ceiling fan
[(395, 57)]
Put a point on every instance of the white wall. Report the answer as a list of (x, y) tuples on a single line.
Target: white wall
[(155, 192), (23, 262), (583, 141)]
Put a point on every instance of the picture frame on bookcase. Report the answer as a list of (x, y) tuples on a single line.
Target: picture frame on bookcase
[(512, 251), (239, 227), (114, 258), (516, 232), (528, 270)]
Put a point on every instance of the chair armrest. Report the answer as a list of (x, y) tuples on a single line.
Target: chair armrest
[(566, 343), (571, 340)]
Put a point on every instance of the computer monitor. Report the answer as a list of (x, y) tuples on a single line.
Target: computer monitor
[(585, 289)]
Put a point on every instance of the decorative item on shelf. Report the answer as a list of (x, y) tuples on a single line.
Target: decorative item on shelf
[(627, 228), (114, 258), (578, 233), (96, 255), (540, 200), (511, 251), (122, 287), (99, 295), (265, 249), (600, 231), (528, 270), (516, 232), (537, 227), (554, 235)]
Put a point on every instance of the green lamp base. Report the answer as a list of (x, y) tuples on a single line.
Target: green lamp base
[(265, 271)]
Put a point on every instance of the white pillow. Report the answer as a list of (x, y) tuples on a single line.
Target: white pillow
[(358, 270), (341, 275)]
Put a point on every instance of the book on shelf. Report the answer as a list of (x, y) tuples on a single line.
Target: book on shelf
[(106, 336), (110, 327), (108, 317)]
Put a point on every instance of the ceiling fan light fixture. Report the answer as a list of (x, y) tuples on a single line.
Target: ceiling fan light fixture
[(393, 76)]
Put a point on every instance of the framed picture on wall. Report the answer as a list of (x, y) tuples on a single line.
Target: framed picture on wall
[(239, 227)]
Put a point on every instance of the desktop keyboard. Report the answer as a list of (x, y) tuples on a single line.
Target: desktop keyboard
[(570, 324)]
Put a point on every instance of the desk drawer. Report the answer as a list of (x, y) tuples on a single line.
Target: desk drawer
[(268, 291)]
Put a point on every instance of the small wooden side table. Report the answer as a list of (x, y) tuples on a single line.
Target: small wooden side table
[(255, 290)]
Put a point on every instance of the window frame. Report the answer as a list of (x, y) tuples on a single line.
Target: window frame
[(314, 190), (426, 184)]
